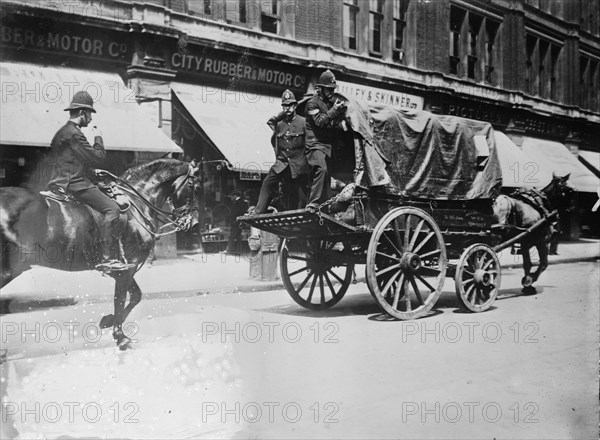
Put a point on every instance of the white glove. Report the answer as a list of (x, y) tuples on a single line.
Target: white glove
[(95, 131)]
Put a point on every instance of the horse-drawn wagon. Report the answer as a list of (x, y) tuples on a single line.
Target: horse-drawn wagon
[(418, 207)]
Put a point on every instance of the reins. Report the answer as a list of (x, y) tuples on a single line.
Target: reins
[(172, 218)]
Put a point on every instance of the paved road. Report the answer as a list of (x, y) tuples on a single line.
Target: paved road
[(255, 365)]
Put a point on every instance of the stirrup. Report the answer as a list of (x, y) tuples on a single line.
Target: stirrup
[(113, 266)]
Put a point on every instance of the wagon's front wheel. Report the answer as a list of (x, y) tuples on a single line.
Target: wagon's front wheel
[(406, 263), (478, 277), (314, 273)]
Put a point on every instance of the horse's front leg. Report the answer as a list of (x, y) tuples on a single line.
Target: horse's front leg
[(526, 280), (542, 249), (135, 296), (122, 282)]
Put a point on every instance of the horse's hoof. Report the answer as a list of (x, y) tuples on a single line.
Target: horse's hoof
[(529, 290), (123, 344), (107, 321), (527, 281)]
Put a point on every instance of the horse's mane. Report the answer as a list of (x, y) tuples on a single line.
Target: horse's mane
[(160, 169)]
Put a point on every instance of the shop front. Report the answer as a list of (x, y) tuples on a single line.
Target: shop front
[(221, 102), (44, 61)]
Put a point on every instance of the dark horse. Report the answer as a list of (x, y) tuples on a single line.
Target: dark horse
[(525, 211), (66, 235)]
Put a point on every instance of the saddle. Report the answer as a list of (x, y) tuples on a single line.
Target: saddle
[(534, 198), (106, 182)]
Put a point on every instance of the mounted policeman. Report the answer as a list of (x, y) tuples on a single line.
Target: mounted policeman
[(290, 163), (73, 161)]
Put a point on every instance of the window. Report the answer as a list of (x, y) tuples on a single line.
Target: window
[(491, 31), (203, 8), (473, 58), (457, 17), (400, 8), (269, 16), (554, 72), (542, 62), (350, 13), (375, 20), (542, 76), (236, 11), (584, 73)]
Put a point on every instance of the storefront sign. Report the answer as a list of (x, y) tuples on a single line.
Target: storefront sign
[(371, 95), (236, 67), (546, 127), (491, 114), (22, 34)]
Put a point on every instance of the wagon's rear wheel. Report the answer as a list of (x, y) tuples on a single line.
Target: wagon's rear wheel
[(314, 274), (406, 263), (477, 277)]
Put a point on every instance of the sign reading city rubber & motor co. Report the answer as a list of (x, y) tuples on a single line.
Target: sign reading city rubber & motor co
[(231, 68)]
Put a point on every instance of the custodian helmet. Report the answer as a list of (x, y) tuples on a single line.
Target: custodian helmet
[(83, 100), (327, 79), (288, 98)]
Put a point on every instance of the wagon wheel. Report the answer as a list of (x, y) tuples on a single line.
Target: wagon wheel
[(326, 278), (477, 278), (406, 263)]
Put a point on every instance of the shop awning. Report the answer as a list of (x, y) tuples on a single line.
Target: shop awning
[(591, 159), (235, 122), (518, 169), (33, 99), (550, 156)]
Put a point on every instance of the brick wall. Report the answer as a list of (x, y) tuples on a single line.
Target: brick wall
[(433, 33), (320, 21)]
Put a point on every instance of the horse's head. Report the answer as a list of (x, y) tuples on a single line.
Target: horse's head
[(183, 196), (168, 180), (560, 194)]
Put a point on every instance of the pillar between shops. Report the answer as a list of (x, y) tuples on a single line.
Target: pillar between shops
[(152, 87)]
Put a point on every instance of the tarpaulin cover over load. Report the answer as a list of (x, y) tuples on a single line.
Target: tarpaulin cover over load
[(426, 155)]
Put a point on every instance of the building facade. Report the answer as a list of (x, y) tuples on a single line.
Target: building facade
[(210, 72)]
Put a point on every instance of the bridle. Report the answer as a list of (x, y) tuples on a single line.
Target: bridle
[(178, 219)]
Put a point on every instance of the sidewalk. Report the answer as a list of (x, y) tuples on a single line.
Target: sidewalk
[(191, 275)]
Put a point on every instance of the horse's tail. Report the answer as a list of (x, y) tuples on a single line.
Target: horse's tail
[(12, 202), (503, 206)]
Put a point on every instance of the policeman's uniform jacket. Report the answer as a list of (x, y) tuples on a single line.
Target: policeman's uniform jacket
[(322, 123), (73, 158), (289, 139)]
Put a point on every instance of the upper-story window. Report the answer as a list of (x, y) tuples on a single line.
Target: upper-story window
[(400, 9), (203, 8), (589, 83), (269, 16), (236, 11), (491, 31), (457, 18), (375, 25), (541, 76), (473, 45), (473, 61), (350, 13)]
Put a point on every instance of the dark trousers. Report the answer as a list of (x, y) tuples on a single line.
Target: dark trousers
[(294, 195), (106, 206), (319, 175)]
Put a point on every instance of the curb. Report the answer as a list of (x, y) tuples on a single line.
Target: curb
[(29, 303)]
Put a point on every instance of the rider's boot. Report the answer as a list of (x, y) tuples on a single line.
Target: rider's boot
[(110, 247)]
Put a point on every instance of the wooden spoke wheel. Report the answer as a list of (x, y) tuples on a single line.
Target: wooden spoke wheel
[(477, 277), (315, 275), (406, 263)]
